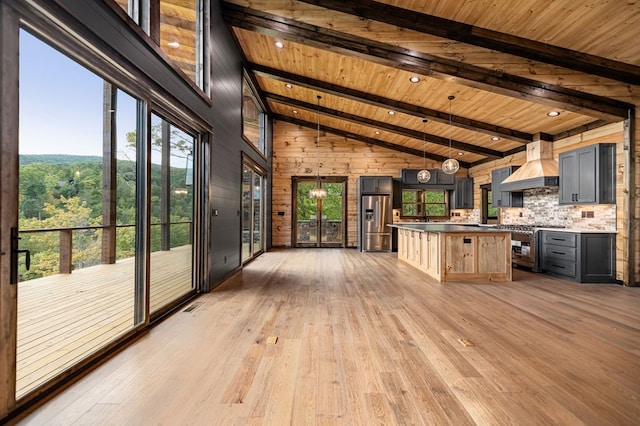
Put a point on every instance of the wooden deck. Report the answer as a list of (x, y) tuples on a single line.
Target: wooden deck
[(64, 318), (365, 339)]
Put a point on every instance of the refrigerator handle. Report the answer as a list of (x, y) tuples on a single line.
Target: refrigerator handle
[(377, 214)]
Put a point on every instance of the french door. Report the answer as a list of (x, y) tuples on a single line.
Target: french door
[(319, 222)]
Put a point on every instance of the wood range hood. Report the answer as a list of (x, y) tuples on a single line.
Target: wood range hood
[(540, 170)]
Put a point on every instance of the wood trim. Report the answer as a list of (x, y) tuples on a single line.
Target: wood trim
[(482, 37), (403, 131), (9, 93), (425, 64), (364, 139), (387, 103)]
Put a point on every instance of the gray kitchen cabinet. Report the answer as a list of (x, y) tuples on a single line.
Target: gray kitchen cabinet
[(581, 256), (439, 179), (587, 175), (376, 185), (462, 195), (500, 198)]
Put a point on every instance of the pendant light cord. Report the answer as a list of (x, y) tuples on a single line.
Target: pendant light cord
[(318, 143), (451, 98)]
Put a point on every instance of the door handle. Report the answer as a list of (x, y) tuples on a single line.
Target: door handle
[(27, 261), (15, 251)]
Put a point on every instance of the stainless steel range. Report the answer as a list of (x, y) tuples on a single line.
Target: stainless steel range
[(524, 244)]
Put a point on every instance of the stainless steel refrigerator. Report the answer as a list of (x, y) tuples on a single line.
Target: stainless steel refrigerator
[(375, 215)]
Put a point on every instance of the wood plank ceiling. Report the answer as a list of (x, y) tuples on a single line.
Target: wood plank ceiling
[(507, 63)]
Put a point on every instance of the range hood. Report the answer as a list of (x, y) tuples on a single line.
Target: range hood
[(540, 170)]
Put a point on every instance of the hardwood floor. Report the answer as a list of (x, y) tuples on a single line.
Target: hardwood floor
[(364, 339)]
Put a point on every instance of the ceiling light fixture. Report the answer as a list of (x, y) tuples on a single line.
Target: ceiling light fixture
[(318, 193), (553, 113), (495, 138), (450, 165), (279, 44), (392, 113), (295, 111), (288, 85), (377, 132), (414, 79), (424, 175), (174, 44)]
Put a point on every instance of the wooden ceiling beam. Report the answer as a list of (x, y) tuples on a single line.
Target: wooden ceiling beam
[(364, 139), (421, 63), (398, 106), (489, 39), (398, 130)]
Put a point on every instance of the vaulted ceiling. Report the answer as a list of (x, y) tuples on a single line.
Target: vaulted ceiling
[(507, 63)]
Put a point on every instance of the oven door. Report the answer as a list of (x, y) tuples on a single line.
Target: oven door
[(522, 251)]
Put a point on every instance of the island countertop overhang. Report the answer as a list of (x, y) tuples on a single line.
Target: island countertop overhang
[(448, 228)]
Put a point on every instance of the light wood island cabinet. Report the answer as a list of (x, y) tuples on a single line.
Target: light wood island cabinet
[(456, 252)]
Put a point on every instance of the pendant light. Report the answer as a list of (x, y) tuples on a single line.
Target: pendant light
[(450, 165), (319, 193), (424, 175)]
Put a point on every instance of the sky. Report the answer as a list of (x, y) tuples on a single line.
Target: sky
[(61, 103)]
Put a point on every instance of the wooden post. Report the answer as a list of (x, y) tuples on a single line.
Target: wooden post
[(165, 191), (66, 251), (109, 178)]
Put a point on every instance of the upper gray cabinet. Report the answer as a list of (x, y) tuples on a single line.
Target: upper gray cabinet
[(462, 195), (587, 175), (500, 198), (376, 185)]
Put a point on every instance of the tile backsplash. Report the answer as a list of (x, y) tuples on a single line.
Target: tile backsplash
[(541, 207)]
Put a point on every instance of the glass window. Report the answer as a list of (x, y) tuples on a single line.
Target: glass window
[(181, 31), (419, 203), (77, 210), (492, 212), (171, 213), (253, 119)]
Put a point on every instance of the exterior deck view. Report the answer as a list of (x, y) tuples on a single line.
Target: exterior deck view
[(65, 317)]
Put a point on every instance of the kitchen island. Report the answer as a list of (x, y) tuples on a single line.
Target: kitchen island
[(449, 252)]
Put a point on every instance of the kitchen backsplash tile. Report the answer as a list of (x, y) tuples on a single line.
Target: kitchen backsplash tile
[(541, 207), (465, 216)]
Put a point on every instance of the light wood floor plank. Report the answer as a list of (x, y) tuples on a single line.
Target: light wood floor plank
[(364, 339)]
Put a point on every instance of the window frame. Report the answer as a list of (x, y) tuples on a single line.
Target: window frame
[(421, 205)]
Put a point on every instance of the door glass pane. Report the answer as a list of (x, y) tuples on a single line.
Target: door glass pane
[(171, 213), (247, 174), (77, 182), (332, 214), (257, 213), (306, 215)]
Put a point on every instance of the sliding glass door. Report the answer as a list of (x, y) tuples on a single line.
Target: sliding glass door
[(253, 194), (76, 214)]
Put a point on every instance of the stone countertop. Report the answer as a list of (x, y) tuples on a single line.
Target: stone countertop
[(447, 228)]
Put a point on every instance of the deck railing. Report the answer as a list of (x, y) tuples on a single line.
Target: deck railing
[(65, 241)]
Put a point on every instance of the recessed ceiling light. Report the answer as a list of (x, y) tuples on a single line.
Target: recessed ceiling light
[(495, 138), (279, 44), (295, 111), (460, 154), (414, 79), (392, 113), (553, 113), (173, 44), (377, 132), (288, 85)]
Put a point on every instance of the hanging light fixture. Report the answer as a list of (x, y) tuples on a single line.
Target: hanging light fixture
[(450, 165), (424, 175), (319, 193)]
